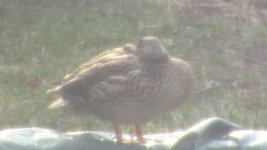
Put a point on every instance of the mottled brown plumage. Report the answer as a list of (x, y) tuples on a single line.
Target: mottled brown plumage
[(128, 85)]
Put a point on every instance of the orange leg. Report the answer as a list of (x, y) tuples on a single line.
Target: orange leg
[(139, 134), (118, 134)]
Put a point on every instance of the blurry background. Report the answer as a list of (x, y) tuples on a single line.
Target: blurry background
[(225, 41)]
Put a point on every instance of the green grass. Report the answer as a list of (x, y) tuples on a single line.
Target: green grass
[(47, 39)]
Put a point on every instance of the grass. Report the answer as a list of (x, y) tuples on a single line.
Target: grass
[(41, 41)]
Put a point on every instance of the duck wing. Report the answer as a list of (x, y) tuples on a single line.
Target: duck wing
[(114, 64)]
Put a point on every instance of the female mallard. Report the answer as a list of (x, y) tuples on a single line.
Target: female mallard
[(128, 85)]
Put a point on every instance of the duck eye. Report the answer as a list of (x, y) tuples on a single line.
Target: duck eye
[(140, 45)]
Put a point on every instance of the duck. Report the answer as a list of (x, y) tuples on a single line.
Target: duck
[(132, 84)]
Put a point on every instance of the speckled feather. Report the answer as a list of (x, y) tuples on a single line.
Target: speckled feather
[(132, 84)]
